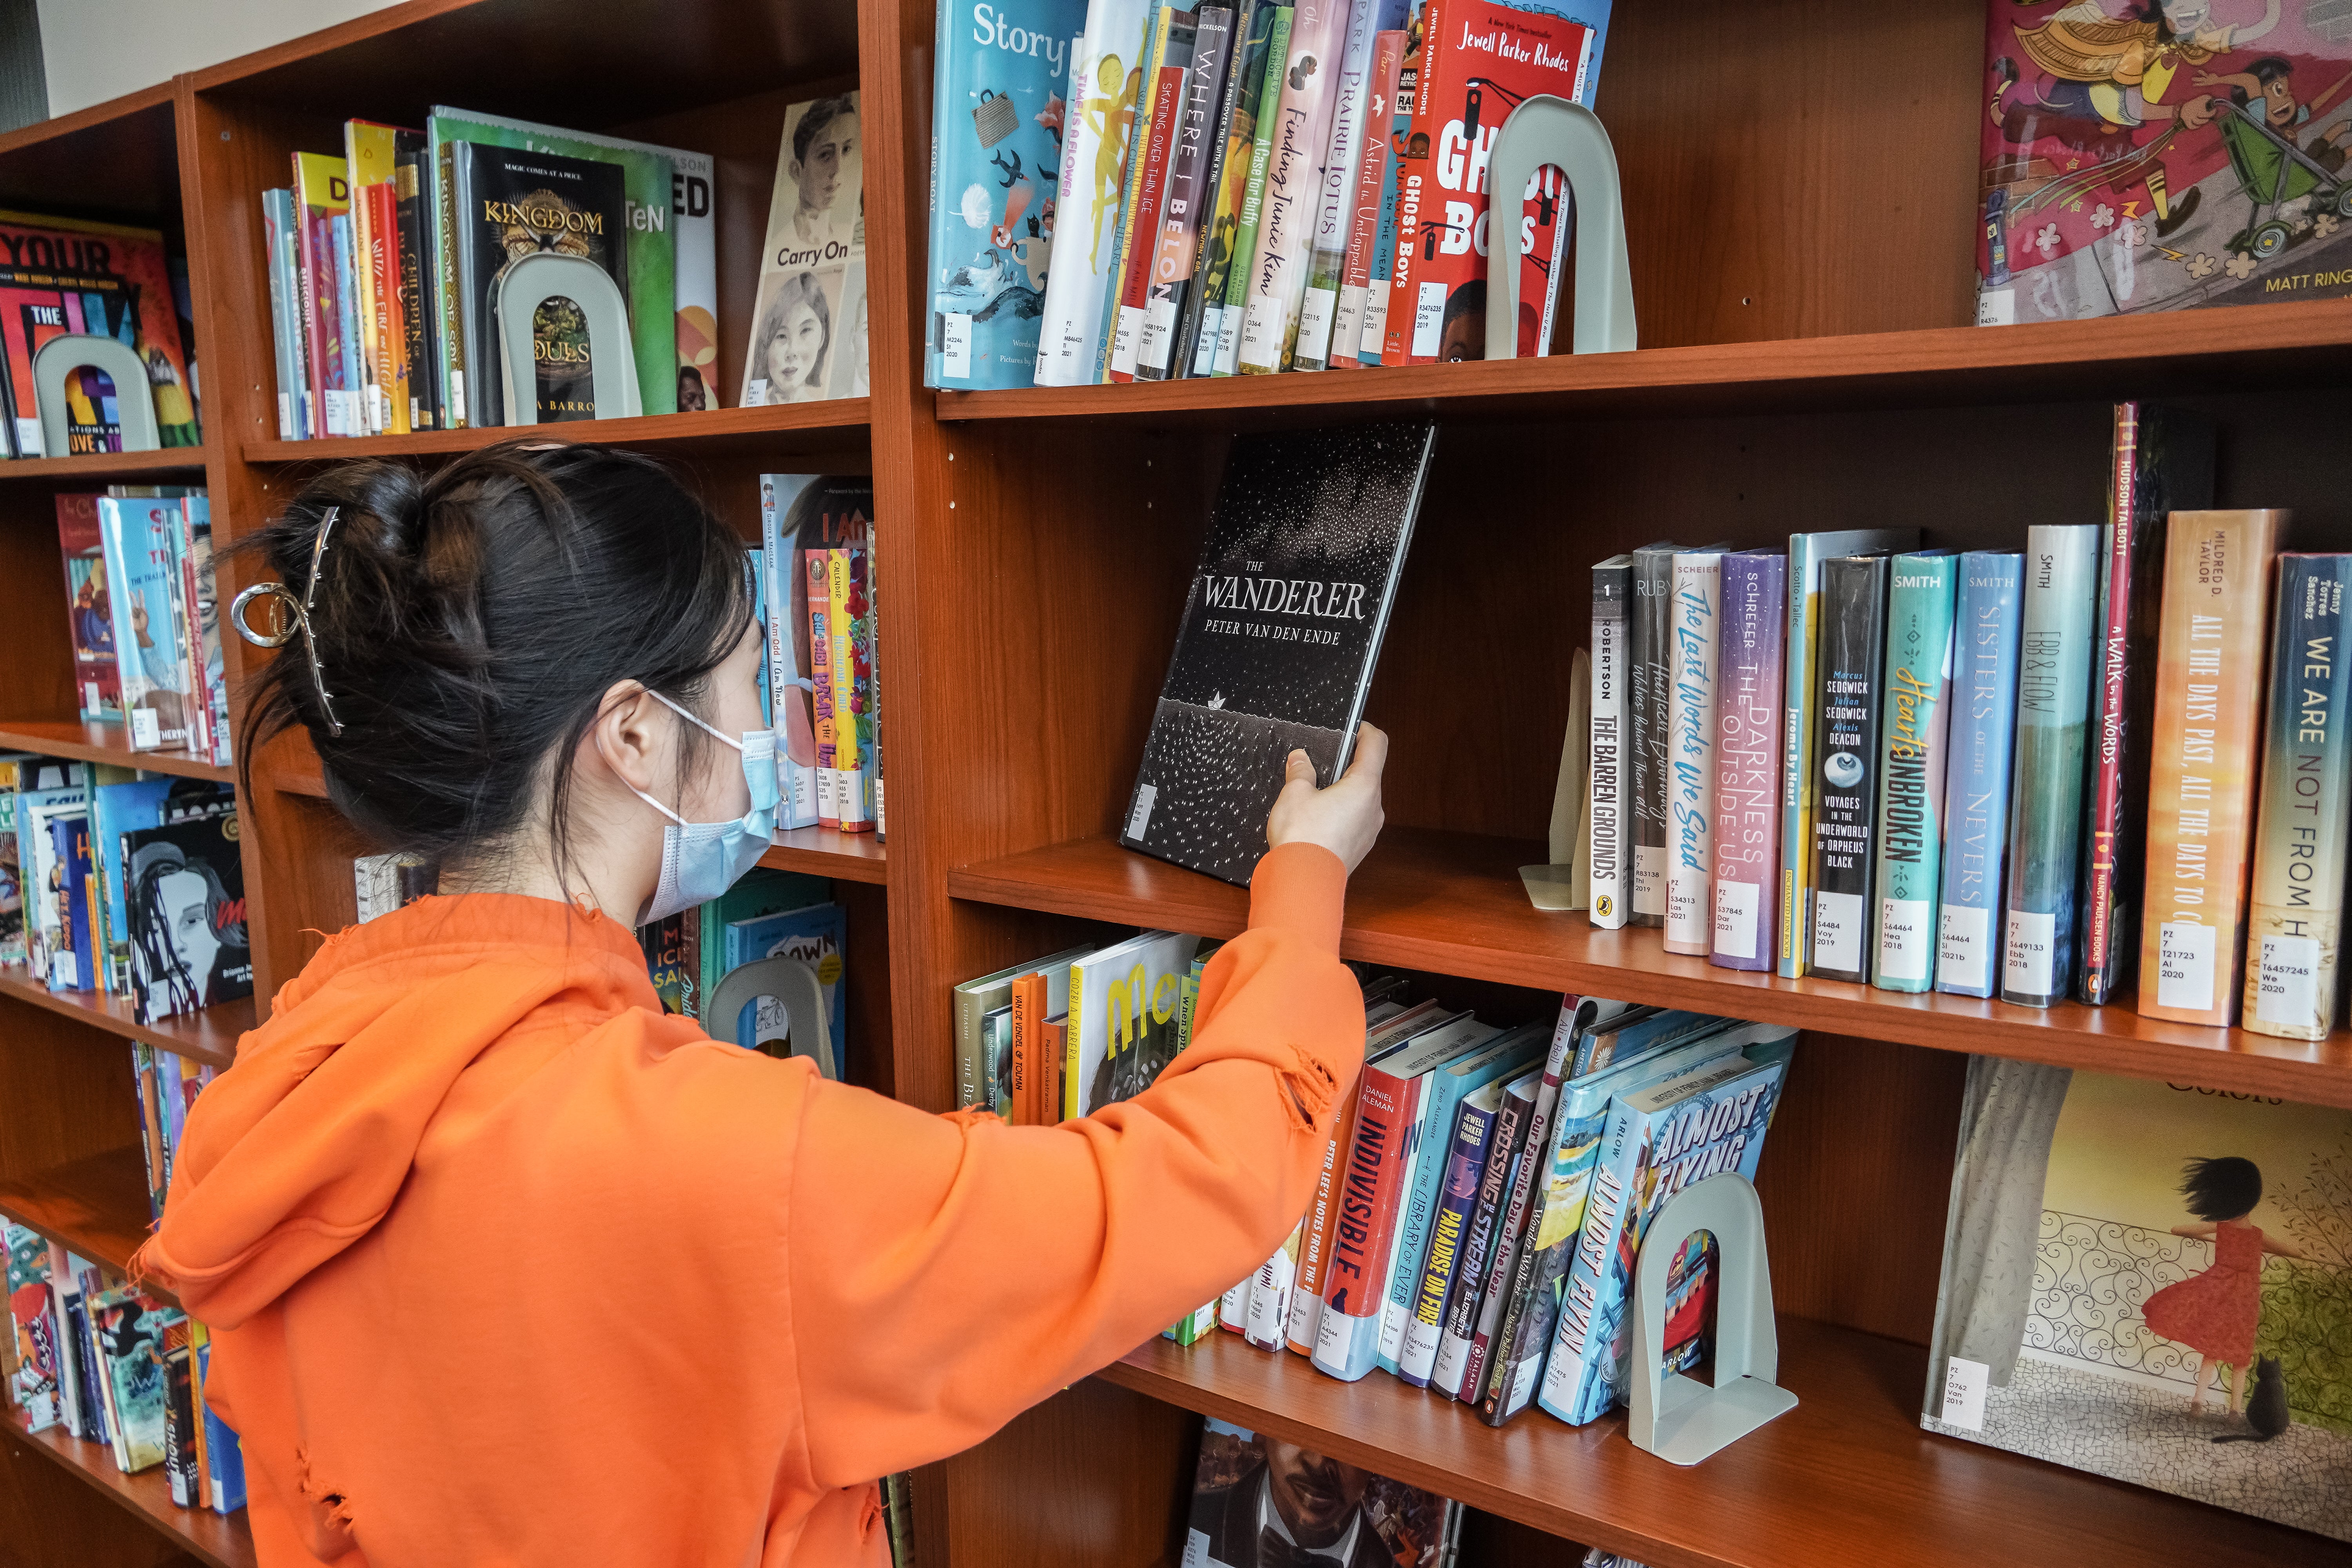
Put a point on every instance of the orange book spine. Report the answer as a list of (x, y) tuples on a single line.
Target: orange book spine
[(2209, 673), (1049, 1077), (1315, 1245), (1028, 1020)]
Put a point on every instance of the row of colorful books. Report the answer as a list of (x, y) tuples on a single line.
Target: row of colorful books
[(144, 617), (1139, 190), (1989, 774), (817, 582), (386, 261), (109, 1363), (124, 883), (768, 914), (60, 275)]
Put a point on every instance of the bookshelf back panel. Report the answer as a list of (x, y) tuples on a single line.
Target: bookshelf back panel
[(40, 642), (69, 1091)]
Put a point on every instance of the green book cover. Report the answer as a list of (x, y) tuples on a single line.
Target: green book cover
[(764, 892), (1913, 718), (1229, 330), (2054, 707)]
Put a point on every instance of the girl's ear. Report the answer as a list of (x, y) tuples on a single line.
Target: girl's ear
[(627, 737)]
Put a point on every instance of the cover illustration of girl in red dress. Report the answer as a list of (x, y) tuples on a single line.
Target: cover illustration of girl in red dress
[(2215, 1313)]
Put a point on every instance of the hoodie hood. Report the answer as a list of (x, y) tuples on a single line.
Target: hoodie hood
[(298, 1151)]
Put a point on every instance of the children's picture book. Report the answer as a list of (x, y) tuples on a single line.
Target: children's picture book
[(68, 275), (1126, 1017), (998, 116), (2143, 156), (1281, 630), (148, 610), (798, 512), (2151, 1282), (816, 228), (185, 893), (1260, 1503), (131, 1329), (817, 936), (32, 1382)]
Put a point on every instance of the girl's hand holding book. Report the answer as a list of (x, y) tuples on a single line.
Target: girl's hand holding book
[(1345, 818)]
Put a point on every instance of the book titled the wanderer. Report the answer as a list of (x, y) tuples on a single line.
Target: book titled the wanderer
[(1281, 631)]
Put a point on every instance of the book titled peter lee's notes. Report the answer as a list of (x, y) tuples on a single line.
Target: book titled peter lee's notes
[(1280, 633)]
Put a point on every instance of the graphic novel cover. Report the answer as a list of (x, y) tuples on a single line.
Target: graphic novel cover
[(817, 231), (66, 275), (1260, 1503), (185, 893)]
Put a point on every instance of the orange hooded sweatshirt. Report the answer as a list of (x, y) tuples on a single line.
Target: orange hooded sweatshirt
[(506, 1267)]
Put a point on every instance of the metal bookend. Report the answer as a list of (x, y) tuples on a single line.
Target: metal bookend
[(789, 981), (529, 282), (1546, 130), (1679, 1418), (134, 400)]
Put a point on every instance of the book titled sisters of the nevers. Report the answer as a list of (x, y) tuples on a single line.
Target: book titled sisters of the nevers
[(1281, 630)]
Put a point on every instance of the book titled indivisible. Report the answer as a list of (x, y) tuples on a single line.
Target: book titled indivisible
[(2045, 824), (2209, 673), (1281, 630), (2295, 930), (1845, 746)]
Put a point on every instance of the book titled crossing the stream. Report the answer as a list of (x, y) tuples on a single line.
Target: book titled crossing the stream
[(1281, 630)]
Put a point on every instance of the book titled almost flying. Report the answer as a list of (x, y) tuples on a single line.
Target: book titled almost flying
[(1280, 634)]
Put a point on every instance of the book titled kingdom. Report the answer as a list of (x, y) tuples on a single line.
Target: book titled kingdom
[(1280, 633)]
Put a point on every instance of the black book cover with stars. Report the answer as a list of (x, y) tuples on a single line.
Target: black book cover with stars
[(1281, 630)]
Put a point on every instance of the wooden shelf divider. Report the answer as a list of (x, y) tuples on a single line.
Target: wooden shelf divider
[(797, 425), (210, 1036), (184, 464), (86, 742), (1848, 1466), (218, 1541), (1451, 903)]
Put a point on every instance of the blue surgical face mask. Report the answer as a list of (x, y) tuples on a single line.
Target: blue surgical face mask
[(701, 860)]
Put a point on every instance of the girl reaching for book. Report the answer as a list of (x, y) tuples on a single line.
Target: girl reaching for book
[(474, 1222), (2215, 1313)]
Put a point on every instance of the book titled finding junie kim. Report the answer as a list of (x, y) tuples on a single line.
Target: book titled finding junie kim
[(1280, 631), (2295, 929)]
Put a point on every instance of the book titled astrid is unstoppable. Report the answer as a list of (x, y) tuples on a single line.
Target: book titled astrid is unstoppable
[(1281, 630)]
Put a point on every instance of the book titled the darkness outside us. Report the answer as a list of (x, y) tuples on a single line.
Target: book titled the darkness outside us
[(1281, 630)]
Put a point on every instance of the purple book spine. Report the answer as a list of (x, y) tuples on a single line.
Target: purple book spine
[(1747, 760), (1466, 1168)]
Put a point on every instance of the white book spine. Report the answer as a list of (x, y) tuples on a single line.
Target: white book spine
[(1077, 278)]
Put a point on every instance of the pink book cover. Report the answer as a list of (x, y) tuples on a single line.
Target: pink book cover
[(1747, 759)]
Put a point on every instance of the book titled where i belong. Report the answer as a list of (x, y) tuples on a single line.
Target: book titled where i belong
[(1281, 630), (2294, 928)]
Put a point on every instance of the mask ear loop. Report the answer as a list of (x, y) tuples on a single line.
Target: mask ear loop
[(294, 616)]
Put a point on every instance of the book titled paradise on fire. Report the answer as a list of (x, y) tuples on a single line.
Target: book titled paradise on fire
[(1281, 631)]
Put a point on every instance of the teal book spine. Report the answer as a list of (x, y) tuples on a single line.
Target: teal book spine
[(1912, 725), (2296, 925), (1982, 727), (2054, 702)]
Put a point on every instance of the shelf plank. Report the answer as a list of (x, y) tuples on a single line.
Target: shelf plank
[(797, 425), (186, 464), (829, 852), (218, 1541), (210, 1036), (1848, 1477), (2051, 362), (103, 743), (1451, 903), (96, 1207)]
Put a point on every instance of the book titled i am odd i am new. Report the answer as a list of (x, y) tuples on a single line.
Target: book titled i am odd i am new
[(1281, 630)]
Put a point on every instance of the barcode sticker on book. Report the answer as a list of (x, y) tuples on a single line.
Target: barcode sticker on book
[(1964, 952), (1315, 325), (955, 345), (2288, 989), (1964, 1393), (1159, 333), (1649, 880), (2025, 968), (1904, 941), (1837, 931), (146, 730), (1376, 321), (2184, 967), (1139, 817), (1735, 918), (1122, 343), (1428, 321)]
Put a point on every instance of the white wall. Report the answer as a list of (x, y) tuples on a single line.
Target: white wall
[(98, 50)]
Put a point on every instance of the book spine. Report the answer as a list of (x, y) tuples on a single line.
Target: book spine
[(1347, 1341), (1026, 1004), (1798, 781), (358, 258), (1169, 286), (853, 672), (1315, 1245), (1267, 1325), (1650, 679), (1364, 212), (287, 337), (2130, 544), (820, 615), (1157, 155), (1748, 761), (2209, 673), (1122, 235), (1976, 793), (1343, 150), (420, 340), (1583, 1351), (359, 397), (1845, 744), (1695, 623), (1464, 1174), (317, 310), (1095, 164), (1915, 719), (1486, 1375), (459, 402), (391, 331), (2053, 697), (1049, 1087), (1072, 1044), (1236, 129), (1277, 281), (2295, 919), (188, 615), (1604, 809), (1381, 264), (1234, 1306), (1506, 1147), (1253, 208)]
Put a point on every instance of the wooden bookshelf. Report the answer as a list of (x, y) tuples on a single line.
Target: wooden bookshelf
[(1803, 280), (103, 743), (209, 1035), (217, 1540)]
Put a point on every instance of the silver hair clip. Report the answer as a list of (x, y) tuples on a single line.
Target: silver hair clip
[(293, 616)]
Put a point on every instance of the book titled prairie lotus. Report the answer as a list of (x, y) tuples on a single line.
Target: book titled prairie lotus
[(1281, 630)]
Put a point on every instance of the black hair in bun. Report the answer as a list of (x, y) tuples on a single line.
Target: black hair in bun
[(469, 620)]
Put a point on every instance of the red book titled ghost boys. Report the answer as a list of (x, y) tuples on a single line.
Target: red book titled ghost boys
[(1481, 61)]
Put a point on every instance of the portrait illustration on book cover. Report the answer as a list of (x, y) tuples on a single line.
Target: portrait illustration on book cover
[(2152, 1281), (1260, 1503)]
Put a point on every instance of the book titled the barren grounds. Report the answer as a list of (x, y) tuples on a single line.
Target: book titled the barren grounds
[(1280, 634)]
